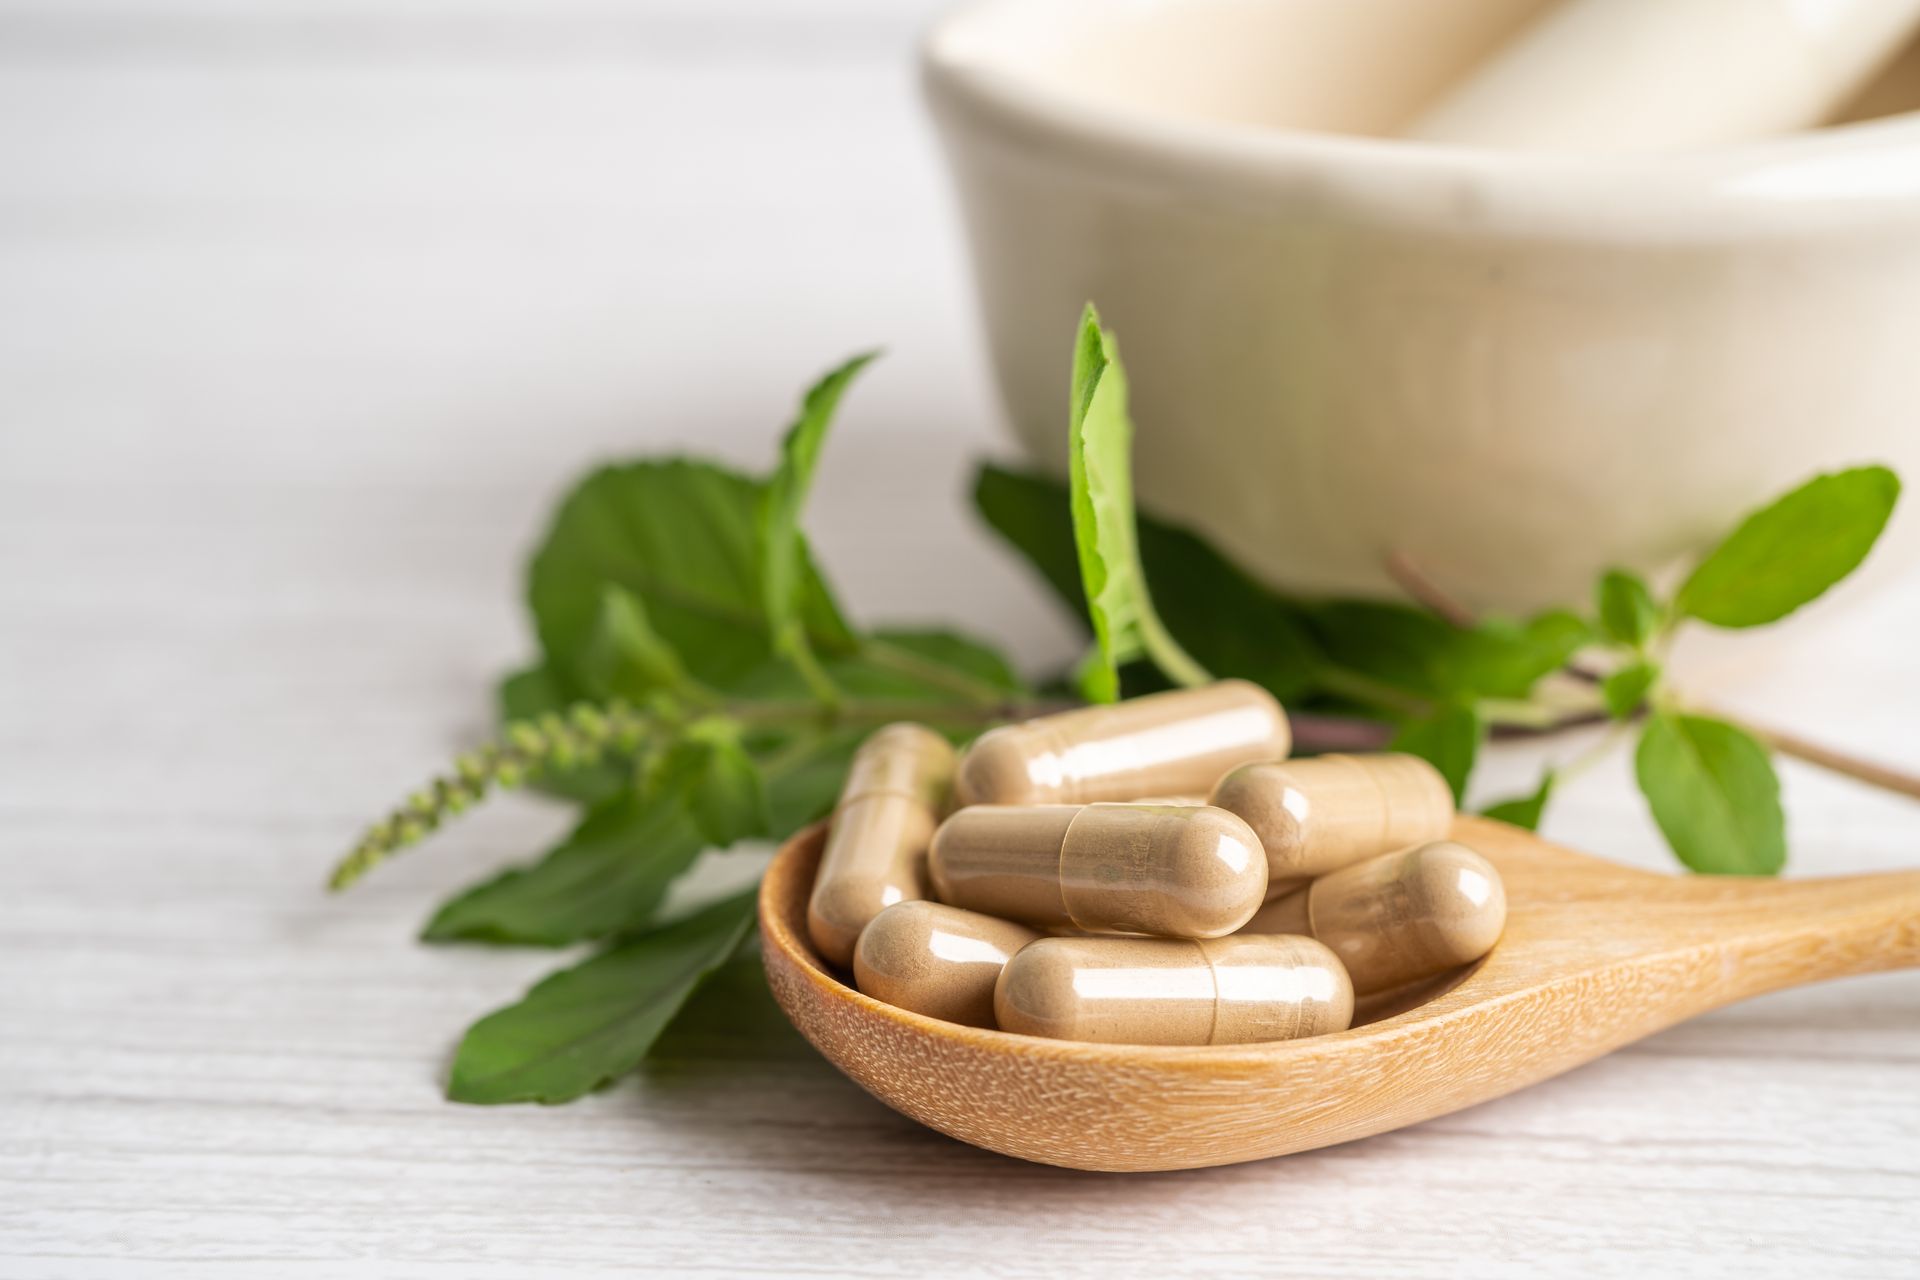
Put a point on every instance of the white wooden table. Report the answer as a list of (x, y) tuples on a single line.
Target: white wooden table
[(306, 312)]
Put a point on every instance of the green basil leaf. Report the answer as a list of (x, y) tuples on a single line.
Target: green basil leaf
[(681, 536), (804, 776), (942, 659), (625, 656), (1628, 612), (529, 694), (733, 1016), (938, 677), (607, 876), (1790, 551), (1713, 792), (1525, 811), (708, 772), (1231, 624), (785, 495), (1625, 691), (1501, 658), (1094, 677), (1100, 477), (593, 1023), (943, 671), (1414, 651), (1449, 740)]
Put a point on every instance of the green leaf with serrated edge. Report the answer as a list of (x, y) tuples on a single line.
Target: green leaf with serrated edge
[(1100, 477), (1625, 691), (1449, 740), (1525, 811), (626, 657), (783, 499), (593, 1023), (1628, 613), (708, 773), (1231, 624), (682, 537), (1713, 793), (1101, 507), (525, 695), (1790, 551), (607, 876)]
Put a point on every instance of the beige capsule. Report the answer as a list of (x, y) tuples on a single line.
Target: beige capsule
[(1318, 815), (1400, 917), (936, 960), (1174, 991), (1178, 871), (1165, 743), (876, 849)]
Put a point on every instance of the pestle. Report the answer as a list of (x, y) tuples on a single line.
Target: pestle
[(1653, 75)]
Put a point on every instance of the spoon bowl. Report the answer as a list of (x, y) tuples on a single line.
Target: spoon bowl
[(1595, 956)]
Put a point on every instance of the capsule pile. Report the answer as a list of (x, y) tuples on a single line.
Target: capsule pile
[(1153, 872)]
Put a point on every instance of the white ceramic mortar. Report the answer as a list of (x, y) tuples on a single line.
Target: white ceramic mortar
[(1518, 369)]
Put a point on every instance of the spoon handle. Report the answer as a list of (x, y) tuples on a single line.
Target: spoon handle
[(1774, 934)]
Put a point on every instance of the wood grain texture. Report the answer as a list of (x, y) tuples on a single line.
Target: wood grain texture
[(1595, 956), (307, 311)]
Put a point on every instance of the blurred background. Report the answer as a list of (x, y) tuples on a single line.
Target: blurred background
[(299, 295), (308, 311)]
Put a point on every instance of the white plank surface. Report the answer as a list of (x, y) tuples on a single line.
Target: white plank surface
[(306, 312)]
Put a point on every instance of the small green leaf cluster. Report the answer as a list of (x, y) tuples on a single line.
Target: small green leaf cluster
[(698, 685), (1709, 782)]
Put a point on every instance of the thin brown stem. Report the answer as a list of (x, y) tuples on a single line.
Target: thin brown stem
[(1317, 733), (1578, 720), (1430, 596), (1792, 744), (1425, 592)]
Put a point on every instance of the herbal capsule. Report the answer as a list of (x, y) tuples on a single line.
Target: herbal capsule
[(876, 849), (1174, 991), (1318, 815), (1179, 871), (1399, 917), (936, 960), (1166, 743)]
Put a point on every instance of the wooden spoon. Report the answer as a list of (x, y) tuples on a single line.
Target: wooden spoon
[(1595, 956)]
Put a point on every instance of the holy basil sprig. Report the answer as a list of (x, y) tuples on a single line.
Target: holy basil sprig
[(699, 685), (1710, 782), (1439, 684)]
